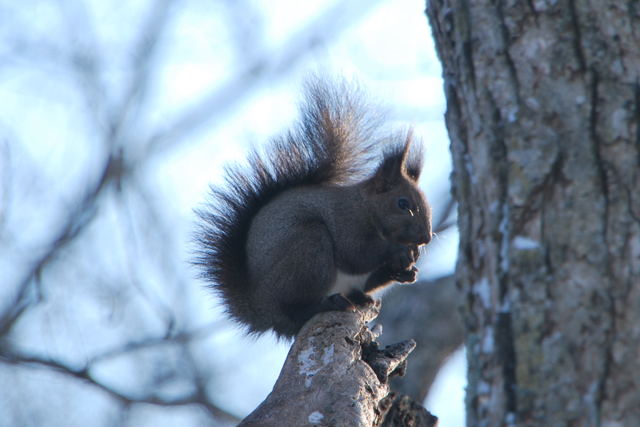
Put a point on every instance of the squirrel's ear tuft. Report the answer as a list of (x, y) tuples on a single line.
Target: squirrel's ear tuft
[(403, 160), (414, 160), (391, 169)]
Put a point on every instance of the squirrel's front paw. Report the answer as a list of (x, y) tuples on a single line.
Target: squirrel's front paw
[(415, 250), (402, 259), (406, 276)]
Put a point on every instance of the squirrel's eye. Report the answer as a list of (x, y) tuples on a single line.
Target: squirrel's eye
[(403, 204)]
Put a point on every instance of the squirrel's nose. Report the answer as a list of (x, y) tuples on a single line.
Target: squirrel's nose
[(426, 238)]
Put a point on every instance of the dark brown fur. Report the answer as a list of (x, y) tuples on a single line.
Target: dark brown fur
[(309, 214)]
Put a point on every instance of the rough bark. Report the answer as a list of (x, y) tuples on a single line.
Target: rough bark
[(543, 112), (400, 410), (334, 375)]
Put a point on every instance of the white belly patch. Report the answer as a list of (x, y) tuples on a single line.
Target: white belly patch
[(348, 282)]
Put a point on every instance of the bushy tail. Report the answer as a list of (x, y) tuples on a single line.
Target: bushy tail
[(331, 143)]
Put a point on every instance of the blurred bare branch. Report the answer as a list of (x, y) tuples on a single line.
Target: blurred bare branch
[(145, 50), (69, 230), (199, 396), (5, 177), (445, 221), (430, 315)]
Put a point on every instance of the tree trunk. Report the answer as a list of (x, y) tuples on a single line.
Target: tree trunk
[(543, 115)]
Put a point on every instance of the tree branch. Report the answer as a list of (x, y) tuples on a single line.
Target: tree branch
[(335, 375)]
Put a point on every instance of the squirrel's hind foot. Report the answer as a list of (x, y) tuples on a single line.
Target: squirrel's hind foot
[(360, 298), (336, 302)]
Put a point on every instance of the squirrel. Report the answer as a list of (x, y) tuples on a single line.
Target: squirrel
[(314, 222)]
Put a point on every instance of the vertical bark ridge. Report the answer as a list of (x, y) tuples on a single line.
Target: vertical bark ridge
[(577, 38), (636, 92)]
